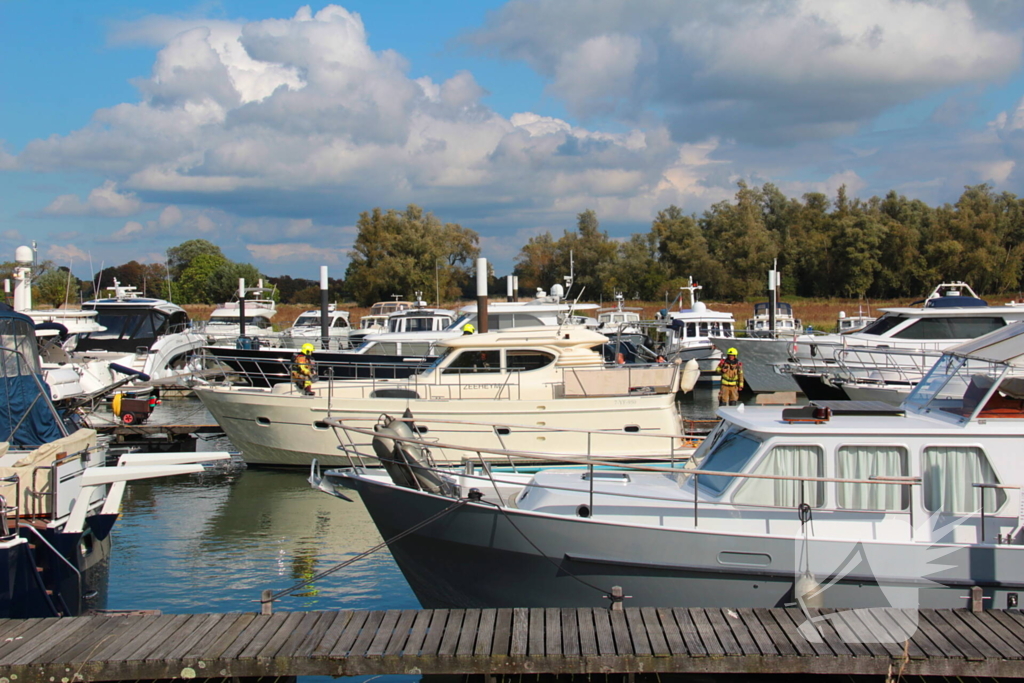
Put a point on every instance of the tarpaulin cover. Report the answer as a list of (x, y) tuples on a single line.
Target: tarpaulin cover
[(26, 417)]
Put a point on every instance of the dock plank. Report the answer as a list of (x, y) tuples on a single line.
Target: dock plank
[(946, 648), (452, 630), (739, 631), (956, 632), (502, 632), (305, 632), (620, 632), (348, 636), (792, 631), (778, 637), (655, 632), (58, 639), (706, 631), (724, 633), (588, 634), (570, 633), (520, 632), (206, 625), (673, 636), (637, 631), (537, 626), (332, 634), (384, 633), (485, 634), (603, 629), (553, 631), (832, 636), (367, 634), (690, 633), (25, 632), (468, 633), (757, 632), (435, 632), (418, 633), (402, 634)]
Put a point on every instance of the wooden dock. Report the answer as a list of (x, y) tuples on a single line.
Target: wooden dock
[(512, 641)]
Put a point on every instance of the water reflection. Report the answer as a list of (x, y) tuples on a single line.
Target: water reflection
[(213, 543)]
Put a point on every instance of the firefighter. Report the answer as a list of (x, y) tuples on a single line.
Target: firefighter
[(731, 370), (304, 369), (468, 329)]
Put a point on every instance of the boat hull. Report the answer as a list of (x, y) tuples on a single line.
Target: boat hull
[(287, 429), (480, 556)]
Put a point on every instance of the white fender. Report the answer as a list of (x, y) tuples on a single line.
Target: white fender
[(689, 376)]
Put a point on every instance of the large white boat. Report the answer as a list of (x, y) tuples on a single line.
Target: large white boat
[(138, 335), (952, 314), (524, 377), (225, 325), (307, 328), (843, 505), (688, 331)]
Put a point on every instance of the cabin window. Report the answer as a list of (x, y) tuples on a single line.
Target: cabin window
[(884, 324), (703, 329), (731, 453), (864, 462), (949, 475), (691, 329), (524, 361), (384, 348), (950, 328), (340, 322), (475, 360), (415, 348), (786, 461)]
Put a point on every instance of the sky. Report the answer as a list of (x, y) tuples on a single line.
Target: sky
[(267, 127)]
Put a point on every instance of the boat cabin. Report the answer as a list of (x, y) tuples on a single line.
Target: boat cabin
[(785, 323), (130, 322)]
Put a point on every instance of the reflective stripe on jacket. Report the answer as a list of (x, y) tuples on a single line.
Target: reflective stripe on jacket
[(732, 373)]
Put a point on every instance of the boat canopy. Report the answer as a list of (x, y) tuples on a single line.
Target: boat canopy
[(26, 418)]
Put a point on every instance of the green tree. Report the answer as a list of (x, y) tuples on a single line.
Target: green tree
[(54, 287), (223, 282), (537, 265), (741, 242), (179, 258), (405, 252), (683, 249), (193, 287), (639, 273)]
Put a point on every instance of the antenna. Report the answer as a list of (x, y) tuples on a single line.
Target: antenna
[(572, 309)]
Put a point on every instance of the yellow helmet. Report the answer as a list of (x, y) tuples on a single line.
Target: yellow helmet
[(308, 349), (468, 329), (732, 352)]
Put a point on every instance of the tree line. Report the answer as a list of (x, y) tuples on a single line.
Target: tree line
[(880, 248)]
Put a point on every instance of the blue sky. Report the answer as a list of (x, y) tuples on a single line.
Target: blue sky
[(267, 126)]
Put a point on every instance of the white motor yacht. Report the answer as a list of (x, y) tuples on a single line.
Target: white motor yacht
[(140, 335), (836, 505), (952, 314), (620, 319), (225, 324), (688, 332), (307, 328), (524, 377)]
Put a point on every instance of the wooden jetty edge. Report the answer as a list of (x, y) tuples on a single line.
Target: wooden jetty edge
[(513, 641)]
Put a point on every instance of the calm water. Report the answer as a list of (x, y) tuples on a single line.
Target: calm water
[(213, 542)]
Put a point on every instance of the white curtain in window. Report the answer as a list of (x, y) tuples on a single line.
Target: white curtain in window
[(785, 461), (864, 462), (949, 475)]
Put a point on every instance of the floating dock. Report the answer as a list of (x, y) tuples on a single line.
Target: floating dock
[(515, 641)]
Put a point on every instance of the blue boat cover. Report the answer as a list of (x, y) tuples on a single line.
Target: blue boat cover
[(26, 416)]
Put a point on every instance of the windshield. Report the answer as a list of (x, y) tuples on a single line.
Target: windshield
[(445, 351), (729, 452), (307, 321)]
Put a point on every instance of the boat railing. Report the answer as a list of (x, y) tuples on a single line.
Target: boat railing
[(488, 457), (866, 364), (678, 446), (9, 512)]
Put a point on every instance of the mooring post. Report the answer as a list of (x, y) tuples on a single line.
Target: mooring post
[(616, 598), (267, 602), (977, 599)]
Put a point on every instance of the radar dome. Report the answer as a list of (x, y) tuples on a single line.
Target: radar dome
[(699, 307), (23, 254), (557, 290)]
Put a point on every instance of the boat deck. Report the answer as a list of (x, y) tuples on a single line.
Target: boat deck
[(507, 641)]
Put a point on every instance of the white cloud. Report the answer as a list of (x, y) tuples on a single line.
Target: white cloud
[(131, 231), (763, 69), (66, 253), (170, 217), (102, 201), (290, 251), (11, 235)]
